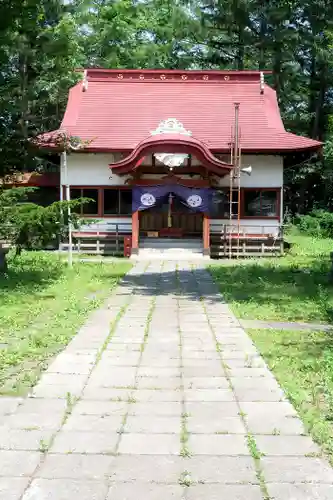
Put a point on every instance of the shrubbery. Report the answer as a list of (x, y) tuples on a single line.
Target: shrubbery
[(318, 223)]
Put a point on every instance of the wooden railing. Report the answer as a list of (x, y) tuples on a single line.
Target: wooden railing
[(247, 240), (102, 238)]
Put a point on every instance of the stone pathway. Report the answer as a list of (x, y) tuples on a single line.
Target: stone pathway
[(161, 395)]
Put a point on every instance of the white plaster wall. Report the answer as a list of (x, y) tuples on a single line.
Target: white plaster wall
[(90, 170), (267, 171), (93, 170)]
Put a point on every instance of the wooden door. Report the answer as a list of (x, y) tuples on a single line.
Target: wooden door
[(183, 220)]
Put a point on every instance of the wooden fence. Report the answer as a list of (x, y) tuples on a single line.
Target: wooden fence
[(247, 241), (105, 240)]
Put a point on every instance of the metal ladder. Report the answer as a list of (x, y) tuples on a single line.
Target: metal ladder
[(235, 187)]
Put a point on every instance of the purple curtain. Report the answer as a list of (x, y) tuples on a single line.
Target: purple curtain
[(197, 199), (144, 197)]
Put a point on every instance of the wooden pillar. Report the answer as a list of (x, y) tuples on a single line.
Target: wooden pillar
[(206, 234), (135, 232)]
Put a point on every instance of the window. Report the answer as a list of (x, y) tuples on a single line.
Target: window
[(125, 196), (221, 205), (111, 202), (89, 208), (260, 203), (117, 202)]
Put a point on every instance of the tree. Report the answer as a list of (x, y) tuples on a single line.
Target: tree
[(43, 41), (25, 225), (132, 34), (39, 53)]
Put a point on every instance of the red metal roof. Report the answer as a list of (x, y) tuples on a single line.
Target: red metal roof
[(117, 109)]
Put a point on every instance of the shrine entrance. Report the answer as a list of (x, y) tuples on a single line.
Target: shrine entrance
[(170, 196), (171, 218)]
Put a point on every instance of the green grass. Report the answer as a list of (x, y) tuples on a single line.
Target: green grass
[(303, 364), (290, 288), (42, 304)]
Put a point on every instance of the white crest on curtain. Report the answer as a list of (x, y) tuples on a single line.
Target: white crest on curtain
[(194, 200), (147, 199)]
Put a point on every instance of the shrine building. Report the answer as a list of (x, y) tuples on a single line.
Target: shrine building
[(177, 161)]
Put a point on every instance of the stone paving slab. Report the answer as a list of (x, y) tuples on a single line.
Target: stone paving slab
[(166, 469), (296, 470), (19, 439), (65, 489), (93, 423), (12, 488), (218, 444), (230, 492), (18, 463), (149, 444), (280, 491), (34, 421), (154, 424), (161, 394), (130, 491), (85, 442), (75, 466), (100, 408), (215, 424), (222, 469)]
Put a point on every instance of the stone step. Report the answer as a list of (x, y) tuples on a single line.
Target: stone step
[(169, 256), (166, 243), (168, 251)]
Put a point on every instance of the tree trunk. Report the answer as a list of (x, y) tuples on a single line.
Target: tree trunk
[(312, 92), (319, 115), (240, 51), (3, 261), (262, 41)]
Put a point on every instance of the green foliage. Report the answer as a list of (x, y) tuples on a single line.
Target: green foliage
[(318, 223), (42, 42), (30, 226), (39, 51)]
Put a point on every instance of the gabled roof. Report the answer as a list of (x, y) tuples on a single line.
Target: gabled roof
[(118, 109)]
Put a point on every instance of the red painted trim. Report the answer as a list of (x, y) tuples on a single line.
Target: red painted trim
[(165, 143), (206, 231), (135, 230), (176, 71), (140, 161)]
